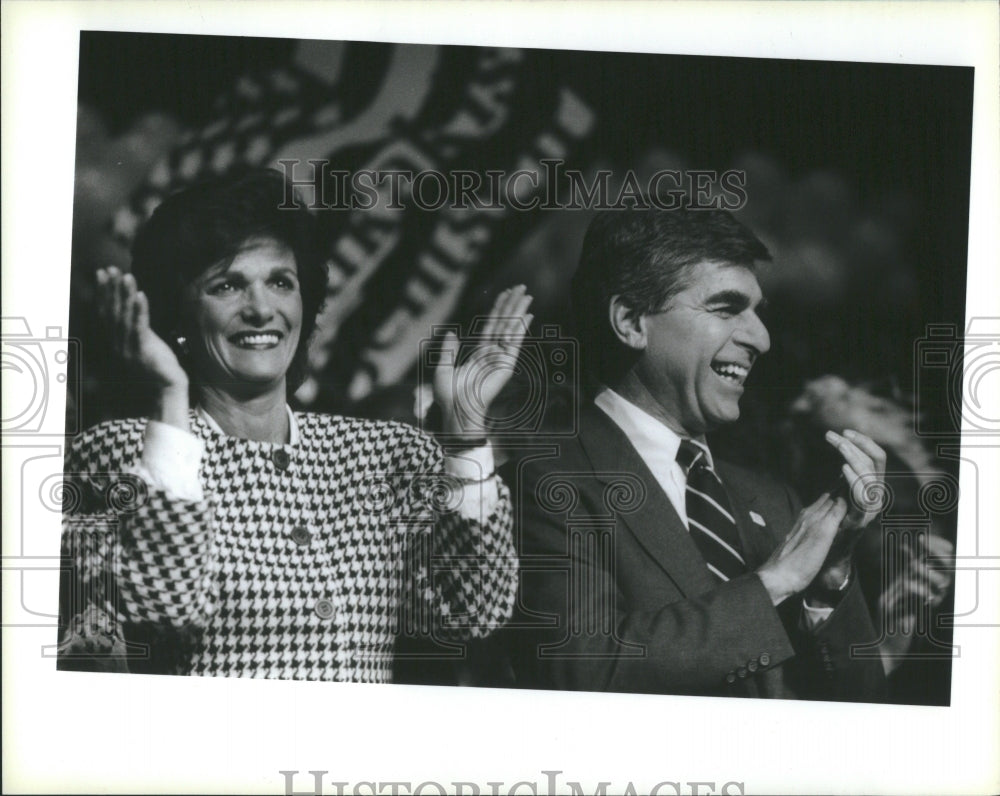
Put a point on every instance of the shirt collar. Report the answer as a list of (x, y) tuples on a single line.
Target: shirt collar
[(644, 431), (293, 426)]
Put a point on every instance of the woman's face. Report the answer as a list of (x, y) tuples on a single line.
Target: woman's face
[(248, 317)]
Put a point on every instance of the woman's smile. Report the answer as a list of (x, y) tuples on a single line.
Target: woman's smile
[(256, 340)]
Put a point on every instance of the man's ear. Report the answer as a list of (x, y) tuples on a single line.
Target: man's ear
[(627, 327)]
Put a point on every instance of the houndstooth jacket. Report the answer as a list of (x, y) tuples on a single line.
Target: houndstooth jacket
[(302, 561)]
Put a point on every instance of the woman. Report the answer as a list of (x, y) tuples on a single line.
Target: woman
[(255, 541)]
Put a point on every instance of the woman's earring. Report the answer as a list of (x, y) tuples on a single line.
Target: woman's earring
[(182, 344)]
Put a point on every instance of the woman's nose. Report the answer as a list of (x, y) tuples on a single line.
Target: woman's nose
[(256, 305)]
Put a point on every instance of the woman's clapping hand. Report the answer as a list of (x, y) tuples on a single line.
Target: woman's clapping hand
[(467, 382), (124, 310)]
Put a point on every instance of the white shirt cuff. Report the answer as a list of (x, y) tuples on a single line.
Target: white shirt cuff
[(475, 464), (815, 615), (170, 461)]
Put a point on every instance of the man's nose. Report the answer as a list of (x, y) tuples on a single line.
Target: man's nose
[(754, 333), (257, 304)]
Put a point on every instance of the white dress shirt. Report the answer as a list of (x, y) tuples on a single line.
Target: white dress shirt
[(655, 443), (657, 446)]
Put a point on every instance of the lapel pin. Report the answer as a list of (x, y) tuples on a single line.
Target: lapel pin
[(757, 518)]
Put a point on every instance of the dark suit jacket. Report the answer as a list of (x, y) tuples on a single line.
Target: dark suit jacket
[(615, 596)]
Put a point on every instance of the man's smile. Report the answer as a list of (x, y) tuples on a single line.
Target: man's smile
[(731, 371)]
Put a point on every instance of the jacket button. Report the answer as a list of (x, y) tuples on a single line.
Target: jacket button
[(765, 659), (280, 458), (752, 666), (301, 535), (324, 609), (741, 672), (730, 678)]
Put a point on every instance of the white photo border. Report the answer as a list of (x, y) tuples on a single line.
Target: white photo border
[(63, 732)]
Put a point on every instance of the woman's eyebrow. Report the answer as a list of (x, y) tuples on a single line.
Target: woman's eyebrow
[(216, 270), (214, 274)]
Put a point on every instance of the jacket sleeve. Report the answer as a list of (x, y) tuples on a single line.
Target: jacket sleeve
[(837, 660), (459, 563), (600, 638), (842, 656), (617, 622), (133, 553)]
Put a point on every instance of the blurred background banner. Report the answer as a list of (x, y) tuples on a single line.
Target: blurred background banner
[(314, 108), (855, 175)]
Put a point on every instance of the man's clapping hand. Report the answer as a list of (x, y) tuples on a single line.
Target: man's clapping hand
[(796, 561), (821, 544)]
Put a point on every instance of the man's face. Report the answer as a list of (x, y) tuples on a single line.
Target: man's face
[(699, 350)]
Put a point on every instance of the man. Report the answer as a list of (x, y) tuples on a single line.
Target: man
[(647, 565)]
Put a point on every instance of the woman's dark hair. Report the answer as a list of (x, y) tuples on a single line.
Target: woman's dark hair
[(646, 258), (208, 223)]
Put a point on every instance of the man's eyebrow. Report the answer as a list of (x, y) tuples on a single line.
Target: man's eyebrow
[(734, 298)]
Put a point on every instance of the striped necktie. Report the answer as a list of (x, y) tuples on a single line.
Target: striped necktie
[(710, 515)]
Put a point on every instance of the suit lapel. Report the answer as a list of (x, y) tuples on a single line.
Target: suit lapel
[(655, 524)]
